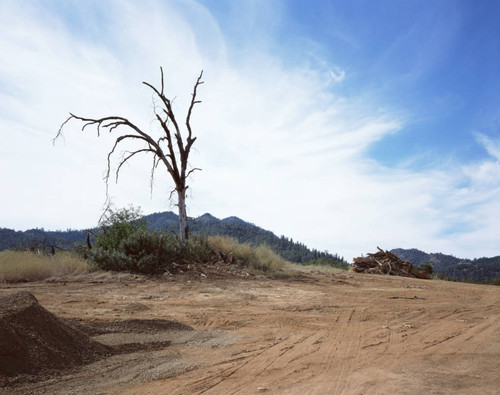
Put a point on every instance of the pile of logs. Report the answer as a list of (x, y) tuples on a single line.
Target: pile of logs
[(385, 262)]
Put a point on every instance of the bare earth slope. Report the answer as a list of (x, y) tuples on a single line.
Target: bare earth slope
[(322, 333)]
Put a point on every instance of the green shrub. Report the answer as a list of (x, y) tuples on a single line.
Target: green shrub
[(108, 259), (125, 244), (118, 225), (197, 249), (427, 267), (150, 252)]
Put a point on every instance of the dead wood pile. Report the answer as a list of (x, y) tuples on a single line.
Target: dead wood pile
[(385, 262)]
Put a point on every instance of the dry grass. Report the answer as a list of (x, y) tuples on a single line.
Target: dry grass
[(243, 252), (267, 260), (261, 259), (19, 266)]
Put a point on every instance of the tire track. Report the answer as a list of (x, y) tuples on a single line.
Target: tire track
[(209, 382), (279, 361), (348, 353)]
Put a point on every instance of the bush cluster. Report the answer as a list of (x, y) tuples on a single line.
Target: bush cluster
[(149, 252), (123, 243)]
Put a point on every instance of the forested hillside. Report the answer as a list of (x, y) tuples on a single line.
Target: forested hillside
[(242, 231), (476, 270), (32, 238), (206, 224)]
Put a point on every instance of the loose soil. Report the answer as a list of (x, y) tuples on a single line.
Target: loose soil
[(33, 341), (317, 333)]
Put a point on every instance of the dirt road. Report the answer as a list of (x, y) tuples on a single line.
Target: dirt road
[(322, 333)]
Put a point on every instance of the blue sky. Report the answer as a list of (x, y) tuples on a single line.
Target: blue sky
[(343, 124)]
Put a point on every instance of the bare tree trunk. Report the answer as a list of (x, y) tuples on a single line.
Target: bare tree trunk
[(183, 224), (171, 148)]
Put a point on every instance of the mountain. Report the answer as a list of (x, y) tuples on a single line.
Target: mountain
[(244, 232), (234, 220), (167, 221), (31, 238), (477, 270), (206, 219)]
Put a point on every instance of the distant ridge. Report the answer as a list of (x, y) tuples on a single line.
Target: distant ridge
[(207, 219), (244, 232), (476, 270), (206, 224), (234, 220)]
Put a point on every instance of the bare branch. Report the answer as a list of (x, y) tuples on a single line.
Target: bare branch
[(130, 156), (111, 123), (190, 139), (167, 103), (60, 131), (193, 102), (171, 193), (173, 165), (118, 140), (191, 171), (162, 80), (156, 161)]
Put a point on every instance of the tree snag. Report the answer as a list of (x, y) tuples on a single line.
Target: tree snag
[(171, 148)]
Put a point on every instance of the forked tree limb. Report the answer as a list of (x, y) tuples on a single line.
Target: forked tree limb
[(174, 157), (193, 102)]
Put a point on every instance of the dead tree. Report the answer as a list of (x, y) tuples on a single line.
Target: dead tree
[(170, 149)]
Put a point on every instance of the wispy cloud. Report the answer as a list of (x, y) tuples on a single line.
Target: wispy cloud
[(280, 146), (492, 146), (337, 75)]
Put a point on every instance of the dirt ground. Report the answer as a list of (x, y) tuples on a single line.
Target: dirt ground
[(320, 333)]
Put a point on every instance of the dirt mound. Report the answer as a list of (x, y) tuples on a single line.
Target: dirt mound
[(34, 341), (385, 262)]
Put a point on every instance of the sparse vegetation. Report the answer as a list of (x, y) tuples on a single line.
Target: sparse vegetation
[(150, 252), (320, 267), (329, 263), (124, 243), (167, 222), (241, 251), (117, 225), (19, 266), (260, 259)]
